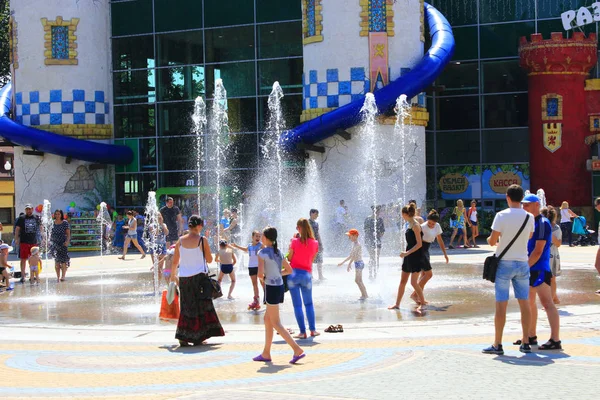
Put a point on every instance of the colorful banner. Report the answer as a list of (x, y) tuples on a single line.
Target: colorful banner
[(378, 59), (459, 183), (497, 178)]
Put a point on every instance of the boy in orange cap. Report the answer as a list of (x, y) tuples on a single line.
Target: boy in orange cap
[(356, 258)]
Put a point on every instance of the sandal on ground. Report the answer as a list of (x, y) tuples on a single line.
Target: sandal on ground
[(551, 345), (314, 333), (183, 344), (295, 359), (334, 329), (532, 341), (260, 358)]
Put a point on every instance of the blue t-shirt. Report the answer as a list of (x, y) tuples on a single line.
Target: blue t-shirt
[(543, 231), (225, 222), (273, 263), (253, 255)]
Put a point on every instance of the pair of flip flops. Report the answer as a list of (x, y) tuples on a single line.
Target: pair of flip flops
[(294, 359), (335, 329)]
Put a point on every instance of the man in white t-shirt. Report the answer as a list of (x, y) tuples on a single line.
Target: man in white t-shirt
[(513, 267)]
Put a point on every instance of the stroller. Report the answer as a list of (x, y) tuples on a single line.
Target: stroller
[(586, 237)]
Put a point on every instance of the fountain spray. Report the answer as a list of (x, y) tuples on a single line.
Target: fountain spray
[(199, 119), (219, 123), (400, 130)]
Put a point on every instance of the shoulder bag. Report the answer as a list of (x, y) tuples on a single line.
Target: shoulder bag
[(490, 266), (210, 286)]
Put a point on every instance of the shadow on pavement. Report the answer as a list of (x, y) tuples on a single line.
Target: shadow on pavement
[(533, 359)]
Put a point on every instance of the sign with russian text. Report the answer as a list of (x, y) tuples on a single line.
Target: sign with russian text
[(584, 16)]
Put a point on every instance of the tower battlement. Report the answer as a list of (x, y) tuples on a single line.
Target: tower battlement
[(559, 55)]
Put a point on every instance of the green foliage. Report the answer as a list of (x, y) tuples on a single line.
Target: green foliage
[(4, 42)]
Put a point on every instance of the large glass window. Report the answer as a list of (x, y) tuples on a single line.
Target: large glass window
[(429, 148), (239, 78), (223, 13), (180, 48), (135, 86), (175, 119), (506, 10), (458, 147), (275, 10), (242, 150), (241, 113), (503, 40), (175, 15), (459, 78), (457, 112), (288, 72), (506, 146), (229, 44), (176, 154), (553, 8), (280, 40), (132, 189), (180, 83), (507, 110), (458, 12), (466, 43), (135, 121), (133, 52), (504, 76), (131, 17), (291, 106)]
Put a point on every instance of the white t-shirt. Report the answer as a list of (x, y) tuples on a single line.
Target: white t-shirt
[(564, 215), (473, 216), (508, 222), (340, 213), (429, 234)]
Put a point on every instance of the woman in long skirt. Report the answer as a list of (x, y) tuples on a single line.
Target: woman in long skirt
[(198, 319)]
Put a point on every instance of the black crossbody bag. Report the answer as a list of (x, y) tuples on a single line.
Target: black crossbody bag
[(490, 266), (211, 288)]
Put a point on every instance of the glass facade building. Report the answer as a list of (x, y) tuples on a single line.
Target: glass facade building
[(168, 52)]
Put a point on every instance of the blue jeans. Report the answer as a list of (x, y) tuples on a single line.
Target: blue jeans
[(300, 285), (515, 272)]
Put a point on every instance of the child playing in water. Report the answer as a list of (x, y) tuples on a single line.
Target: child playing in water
[(227, 259), (252, 249), (35, 262), (270, 263), (168, 265), (4, 266), (356, 258)]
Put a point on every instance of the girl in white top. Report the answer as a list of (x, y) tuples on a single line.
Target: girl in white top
[(566, 225), (431, 231), (473, 218), (356, 258)]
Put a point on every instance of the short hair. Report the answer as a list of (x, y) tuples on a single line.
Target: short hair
[(169, 199), (313, 211), (342, 201), (515, 193), (597, 201)]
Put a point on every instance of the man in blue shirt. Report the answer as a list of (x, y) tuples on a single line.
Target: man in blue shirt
[(538, 248)]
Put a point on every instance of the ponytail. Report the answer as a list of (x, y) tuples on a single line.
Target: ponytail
[(271, 233), (409, 210)]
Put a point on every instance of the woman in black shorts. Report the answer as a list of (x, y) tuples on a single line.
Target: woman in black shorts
[(412, 259)]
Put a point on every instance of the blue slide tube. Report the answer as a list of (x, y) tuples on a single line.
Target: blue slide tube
[(53, 143), (410, 84)]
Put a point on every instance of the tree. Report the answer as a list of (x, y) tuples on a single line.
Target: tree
[(4, 42)]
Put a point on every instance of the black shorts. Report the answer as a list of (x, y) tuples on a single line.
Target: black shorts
[(426, 259), (252, 271), (226, 268), (533, 277), (274, 294)]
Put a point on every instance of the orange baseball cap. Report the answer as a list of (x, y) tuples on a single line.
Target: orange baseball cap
[(352, 232)]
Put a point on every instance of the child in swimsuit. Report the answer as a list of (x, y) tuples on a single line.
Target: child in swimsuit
[(227, 260), (34, 263), (356, 258)]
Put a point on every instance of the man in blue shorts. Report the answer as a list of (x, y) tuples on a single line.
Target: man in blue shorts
[(513, 267), (538, 248)]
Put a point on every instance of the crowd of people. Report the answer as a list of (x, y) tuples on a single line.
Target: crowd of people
[(526, 237)]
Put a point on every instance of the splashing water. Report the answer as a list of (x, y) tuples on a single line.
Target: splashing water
[(274, 128), (47, 224), (542, 195), (400, 132), (219, 124), (199, 120), (371, 176), (151, 234), (104, 220)]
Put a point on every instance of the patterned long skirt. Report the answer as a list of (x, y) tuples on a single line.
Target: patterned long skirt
[(198, 319)]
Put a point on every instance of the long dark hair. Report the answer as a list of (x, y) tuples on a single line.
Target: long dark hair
[(433, 216), (62, 214), (271, 233), (195, 221)]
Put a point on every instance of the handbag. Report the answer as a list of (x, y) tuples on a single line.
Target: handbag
[(490, 266), (210, 286)]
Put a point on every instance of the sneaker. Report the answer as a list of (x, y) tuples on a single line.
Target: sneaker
[(525, 348), (494, 350)]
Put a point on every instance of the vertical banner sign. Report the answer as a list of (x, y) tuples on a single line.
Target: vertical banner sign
[(552, 136)]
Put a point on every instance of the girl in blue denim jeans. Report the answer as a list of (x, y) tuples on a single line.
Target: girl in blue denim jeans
[(302, 252)]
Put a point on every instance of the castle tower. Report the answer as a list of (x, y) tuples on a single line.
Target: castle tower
[(350, 49), (558, 118), (61, 83)]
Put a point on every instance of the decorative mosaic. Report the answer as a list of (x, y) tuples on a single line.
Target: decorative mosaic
[(422, 18), (63, 108), (60, 41), (332, 88), (13, 43), (552, 107), (595, 123), (377, 16), (312, 21)]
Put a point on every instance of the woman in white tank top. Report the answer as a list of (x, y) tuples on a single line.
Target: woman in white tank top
[(198, 319), (566, 225)]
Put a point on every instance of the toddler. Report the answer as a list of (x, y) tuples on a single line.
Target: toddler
[(35, 263)]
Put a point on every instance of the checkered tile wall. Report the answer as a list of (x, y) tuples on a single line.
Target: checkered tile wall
[(57, 107)]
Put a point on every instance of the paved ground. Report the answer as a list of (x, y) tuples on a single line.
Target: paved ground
[(377, 357)]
